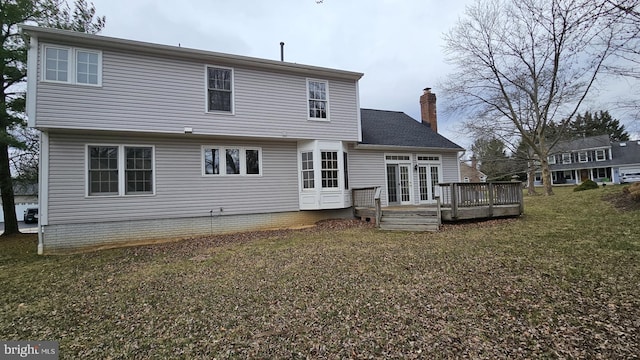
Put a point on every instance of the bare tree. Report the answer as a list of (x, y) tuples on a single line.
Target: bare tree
[(523, 65)]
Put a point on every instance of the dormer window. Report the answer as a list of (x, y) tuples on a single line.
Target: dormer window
[(566, 158), (601, 155)]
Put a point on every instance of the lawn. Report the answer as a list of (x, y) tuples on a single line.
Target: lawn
[(562, 281)]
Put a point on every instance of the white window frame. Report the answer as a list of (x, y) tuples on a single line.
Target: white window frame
[(566, 158), (583, 157), (75, 66), (122, 185), (336, 170), (44, 63), (551, 159), (206, 90), (326, 100), (601, 152), (223, 160), (72, 65), (311, 170)]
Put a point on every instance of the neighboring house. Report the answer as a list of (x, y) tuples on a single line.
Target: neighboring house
[(470, 173), (592, 158), (24, 196), (142, 142)]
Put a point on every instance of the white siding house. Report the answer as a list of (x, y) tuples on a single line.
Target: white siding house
[(144, 142)]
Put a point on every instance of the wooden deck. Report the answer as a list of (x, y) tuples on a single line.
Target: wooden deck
[(460, 201)]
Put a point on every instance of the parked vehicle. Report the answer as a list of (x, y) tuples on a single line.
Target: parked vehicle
[(31, 215), (629, 178)]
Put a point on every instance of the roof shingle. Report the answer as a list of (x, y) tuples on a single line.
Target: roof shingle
[(395, 128)]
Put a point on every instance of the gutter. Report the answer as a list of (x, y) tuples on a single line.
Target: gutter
[(405, 148)]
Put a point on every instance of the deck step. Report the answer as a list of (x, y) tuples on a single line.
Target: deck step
[(407, 227), (410, 219)]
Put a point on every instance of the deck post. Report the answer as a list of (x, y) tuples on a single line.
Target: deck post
[(520, 198), (438, 204), (491, 195), (454, 201), (376, 200)]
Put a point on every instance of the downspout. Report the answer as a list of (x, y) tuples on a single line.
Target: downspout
[(43, 171)]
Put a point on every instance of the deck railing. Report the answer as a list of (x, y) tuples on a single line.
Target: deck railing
[(458, 195), (368, 197)]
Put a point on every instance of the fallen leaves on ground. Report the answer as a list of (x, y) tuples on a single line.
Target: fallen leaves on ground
[(559, 282)]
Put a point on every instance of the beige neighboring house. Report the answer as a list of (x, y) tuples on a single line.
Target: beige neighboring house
[(470, 173)]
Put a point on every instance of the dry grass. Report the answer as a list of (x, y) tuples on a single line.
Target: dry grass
[(563, 281)]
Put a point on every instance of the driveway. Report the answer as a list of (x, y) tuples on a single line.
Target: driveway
[(25, 228)]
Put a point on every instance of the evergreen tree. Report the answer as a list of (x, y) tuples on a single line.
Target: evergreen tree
[(493, 158), (13, 64), (598, 123)]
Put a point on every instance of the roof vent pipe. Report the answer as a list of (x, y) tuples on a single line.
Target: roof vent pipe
[(281, 51)]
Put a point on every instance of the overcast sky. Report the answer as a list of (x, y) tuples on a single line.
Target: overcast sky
[(397, 44)]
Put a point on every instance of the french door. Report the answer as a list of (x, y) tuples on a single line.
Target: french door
[(399, 184), (429, 177)]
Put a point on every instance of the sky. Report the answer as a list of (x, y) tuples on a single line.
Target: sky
[(397, 44)]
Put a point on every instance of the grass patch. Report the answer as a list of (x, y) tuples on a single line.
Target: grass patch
[(559, 282)]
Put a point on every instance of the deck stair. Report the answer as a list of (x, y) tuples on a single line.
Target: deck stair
[(410, 219)]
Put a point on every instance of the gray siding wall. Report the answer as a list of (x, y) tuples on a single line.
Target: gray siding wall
[(450, 167), (181, 189), (153, 94), (367, 169)]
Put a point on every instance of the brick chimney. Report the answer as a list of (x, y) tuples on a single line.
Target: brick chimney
[(428, 109)]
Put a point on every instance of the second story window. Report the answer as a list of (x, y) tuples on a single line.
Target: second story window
[(601, 155), (56, 64), (566, 158), (583, 157), (71, 65), (219, 89), (87, 67), (318, 99)]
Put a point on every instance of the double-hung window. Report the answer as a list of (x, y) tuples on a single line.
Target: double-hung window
[(71, 65), (551, 159), (219, 89), (231, 160), (566, 158), (583, 157), (318, 99), (103, 170), (115, 170), (329, 169), (138, 170), (601, 155), (308, 181)]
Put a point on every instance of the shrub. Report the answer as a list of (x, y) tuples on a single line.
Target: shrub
[(586, 185), (633, 191)]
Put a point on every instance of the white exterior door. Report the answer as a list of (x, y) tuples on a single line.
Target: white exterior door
[(429, 177), (399, 184)]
